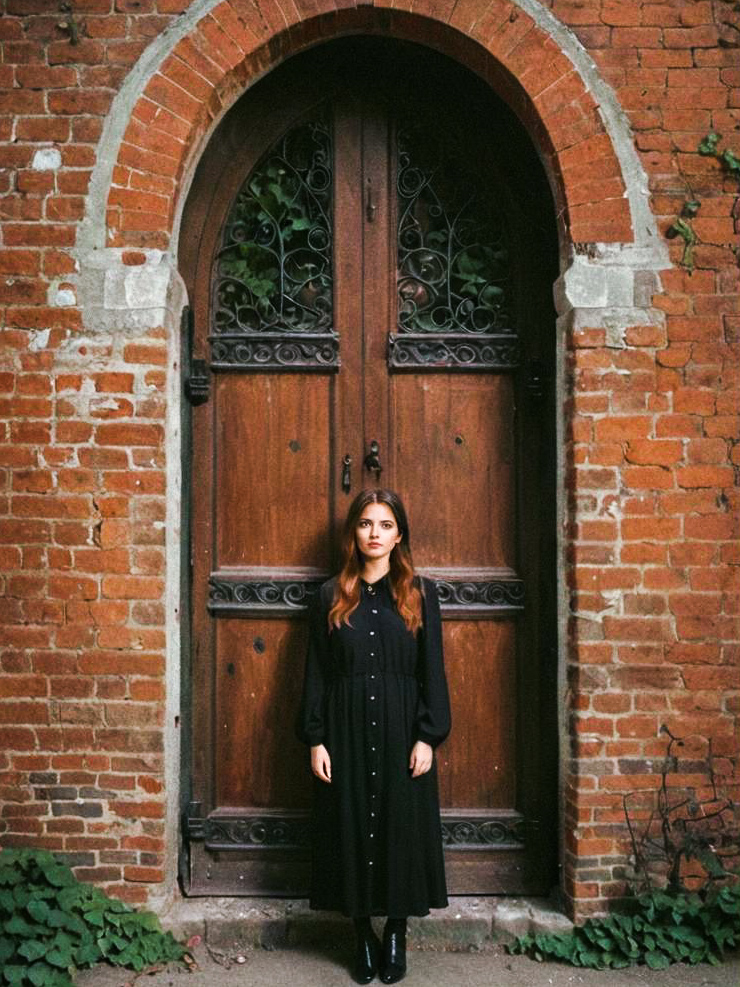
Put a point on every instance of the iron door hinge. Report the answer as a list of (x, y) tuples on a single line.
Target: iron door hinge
[(194, 822), (197, 382)]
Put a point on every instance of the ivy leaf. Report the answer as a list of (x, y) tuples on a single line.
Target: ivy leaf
[(59, 957), (95, 917), (709, 145), (42, 975), (38, 910), (657, 961), (732, 162), (10, 876), (88, 954), (33, 949), (14, 974), (18, 926), (59, 875)]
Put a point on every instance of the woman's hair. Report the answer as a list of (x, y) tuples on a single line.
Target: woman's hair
[(403, 586)]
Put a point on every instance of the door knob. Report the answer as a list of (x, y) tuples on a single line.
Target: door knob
[(372, 460), (347, 473)]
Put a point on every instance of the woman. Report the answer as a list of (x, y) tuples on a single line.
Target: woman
[(375, 705)]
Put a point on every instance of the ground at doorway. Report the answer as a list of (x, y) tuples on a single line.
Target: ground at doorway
[(310, 966)]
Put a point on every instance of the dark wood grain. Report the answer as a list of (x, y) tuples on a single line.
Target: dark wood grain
[(471, 454), (476, 768), (259, 669)]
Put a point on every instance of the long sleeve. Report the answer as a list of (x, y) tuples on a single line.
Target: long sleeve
[(433, 719), (310, 726)]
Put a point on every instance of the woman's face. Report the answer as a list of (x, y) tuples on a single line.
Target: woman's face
[(377, 533)]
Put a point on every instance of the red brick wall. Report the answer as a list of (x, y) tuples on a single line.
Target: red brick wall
[(651, 425)]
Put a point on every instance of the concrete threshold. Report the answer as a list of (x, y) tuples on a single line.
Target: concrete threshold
[(233, 925)]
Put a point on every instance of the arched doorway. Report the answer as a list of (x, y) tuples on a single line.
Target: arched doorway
[(369, 249)]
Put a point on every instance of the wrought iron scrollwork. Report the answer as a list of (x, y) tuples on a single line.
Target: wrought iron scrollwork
[(276, 351), (273, 279), (452, 352), (454, 286)]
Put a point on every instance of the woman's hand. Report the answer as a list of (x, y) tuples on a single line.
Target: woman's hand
[(421, 759), (321, 763)]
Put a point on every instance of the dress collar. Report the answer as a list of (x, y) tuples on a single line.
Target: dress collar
[(373, 588)]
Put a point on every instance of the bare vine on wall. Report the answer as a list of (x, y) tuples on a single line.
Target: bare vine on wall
[(684, 821), (69, 25)]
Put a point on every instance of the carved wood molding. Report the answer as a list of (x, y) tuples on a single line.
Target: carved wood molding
[(292, 830), (472, 593)]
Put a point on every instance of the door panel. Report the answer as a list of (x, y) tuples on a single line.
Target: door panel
[(454, 446), (407, 332), (258, 674), (273, 474), (476, 767)]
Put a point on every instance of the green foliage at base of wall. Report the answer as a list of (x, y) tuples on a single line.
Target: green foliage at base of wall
[(51, 924), (659, 929)]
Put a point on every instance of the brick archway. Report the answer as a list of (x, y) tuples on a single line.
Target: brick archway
[(186, 80), (233, 44)]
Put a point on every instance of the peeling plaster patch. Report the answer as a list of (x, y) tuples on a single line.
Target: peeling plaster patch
[(47, 159), (588, 285), (38, 339), (62, 296), (106, 404), (143, 287), (583, 285), (91, 350), (615, 330)]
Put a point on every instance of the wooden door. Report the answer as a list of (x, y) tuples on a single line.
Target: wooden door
[(359, 285)]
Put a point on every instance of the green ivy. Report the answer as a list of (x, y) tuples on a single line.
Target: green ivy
[(52, 925), (658, 929), (729, 161)]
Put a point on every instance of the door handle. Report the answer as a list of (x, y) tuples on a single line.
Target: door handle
[(372, 460), (347, 473), (370, 207)]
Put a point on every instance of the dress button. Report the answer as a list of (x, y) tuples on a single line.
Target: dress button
[(372, 748), (373, 698), (373, 773), (372, 633), (372, 813), (374, 610), (372, 654), (372, 835), (372, 676), (374, 723)]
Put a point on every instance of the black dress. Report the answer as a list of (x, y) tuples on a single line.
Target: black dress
[(370, 692)]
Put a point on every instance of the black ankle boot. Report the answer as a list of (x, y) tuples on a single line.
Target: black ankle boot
[(367, 953), (393, 960)]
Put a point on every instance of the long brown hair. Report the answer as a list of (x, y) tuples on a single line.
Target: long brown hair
[(403, 586)]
